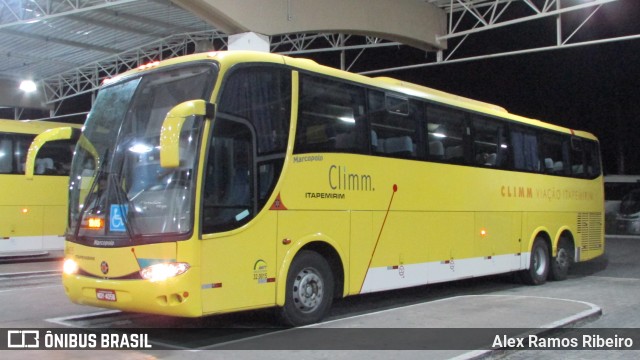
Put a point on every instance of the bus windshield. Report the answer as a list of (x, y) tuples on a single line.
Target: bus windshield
[(119, 193)]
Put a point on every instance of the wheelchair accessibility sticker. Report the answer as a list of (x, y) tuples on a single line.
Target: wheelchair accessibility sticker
[(116, 222)]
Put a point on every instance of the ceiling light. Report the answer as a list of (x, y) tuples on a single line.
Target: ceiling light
[(28, 86)]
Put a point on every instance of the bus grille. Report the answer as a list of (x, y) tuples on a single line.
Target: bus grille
[(590, 230)]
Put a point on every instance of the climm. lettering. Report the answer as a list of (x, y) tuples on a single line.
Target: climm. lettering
[(341, 179), (516, 192)]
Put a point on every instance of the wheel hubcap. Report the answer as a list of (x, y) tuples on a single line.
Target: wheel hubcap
[(308, 290), (539, 261)]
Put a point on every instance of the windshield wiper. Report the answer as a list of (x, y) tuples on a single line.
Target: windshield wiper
[(101, 197), (91, 195)]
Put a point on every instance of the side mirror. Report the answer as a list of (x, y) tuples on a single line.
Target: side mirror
[(62, 133), (172, 126)]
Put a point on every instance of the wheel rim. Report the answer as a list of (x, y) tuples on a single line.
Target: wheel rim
[(308, 290), (539, 261)]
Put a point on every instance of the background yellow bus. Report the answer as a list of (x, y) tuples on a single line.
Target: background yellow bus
[(237, 180), (32, 212)]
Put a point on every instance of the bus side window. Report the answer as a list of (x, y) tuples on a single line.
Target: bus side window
[(489, 142), (13, 152), (524, 145), (555, 151), (592, 158), (330, 117), (262, 96), (447, 135), (393, 124), (55, 158), (577, 157), (6, 148)]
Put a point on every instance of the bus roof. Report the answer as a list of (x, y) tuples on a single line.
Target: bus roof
[(229, 58), (31, 126)]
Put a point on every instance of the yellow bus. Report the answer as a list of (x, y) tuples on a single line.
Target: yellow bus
[(230, 181), (32, 212)]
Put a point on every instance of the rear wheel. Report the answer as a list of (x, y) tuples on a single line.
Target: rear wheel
[(562, 262), (309, 290), (538, 264)]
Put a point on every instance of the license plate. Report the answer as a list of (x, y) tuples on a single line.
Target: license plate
[(105, 295)]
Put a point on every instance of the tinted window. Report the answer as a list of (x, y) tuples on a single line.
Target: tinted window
[(13, 152), (490, 146), (262, 96), (393, 125), (330, 117), (54, 158), (592, 159), (228, 191), (447, 132), (524, 144), (555, 151)]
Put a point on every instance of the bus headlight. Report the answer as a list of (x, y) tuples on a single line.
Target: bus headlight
[(70, 267), (160, 272)]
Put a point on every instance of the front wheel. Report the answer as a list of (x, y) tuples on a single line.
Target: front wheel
[(538, 264), (309, 290)]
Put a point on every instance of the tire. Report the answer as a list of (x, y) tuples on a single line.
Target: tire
[(562, 262), (539, 263), (309, 290)]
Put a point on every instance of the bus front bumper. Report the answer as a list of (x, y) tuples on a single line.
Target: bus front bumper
[(178, 296)]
